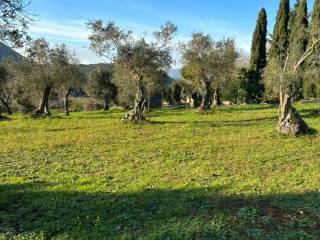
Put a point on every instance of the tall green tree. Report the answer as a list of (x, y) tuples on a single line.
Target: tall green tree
[(280, 32), (278, 49), (312, 76), (258, 58), (315, 17), (298, 26), (298, 40)]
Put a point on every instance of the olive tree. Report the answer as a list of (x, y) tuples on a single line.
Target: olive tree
[(14, 20), (100, 85), (38, 73), (154, 85), (287, 70), (4, 93), (196, 56), (7, 70), (126, 88), (207, 63), (49, 68), (223, 67), (65, 72), (138, 56)]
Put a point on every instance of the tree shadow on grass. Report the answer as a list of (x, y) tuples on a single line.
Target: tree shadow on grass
[(310, 113), (203, 213), (4, 118), (312, 132), (231, 123), (231, 109), (236, 108), (168, 112)]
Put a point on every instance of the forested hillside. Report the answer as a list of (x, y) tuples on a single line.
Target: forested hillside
[(7, 52)]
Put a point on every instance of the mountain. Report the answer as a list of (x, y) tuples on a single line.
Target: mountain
[(7, 52), (87, 68), (175, 74)]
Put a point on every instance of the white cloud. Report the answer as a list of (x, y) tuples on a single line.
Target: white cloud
[(69, 30), (87, 57), (74, 33)]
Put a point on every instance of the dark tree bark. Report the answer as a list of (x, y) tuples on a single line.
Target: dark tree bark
[(136, 114), (206, 99), (290, 121), (44, 106), (66, 102), (6, 106), (106, 104)]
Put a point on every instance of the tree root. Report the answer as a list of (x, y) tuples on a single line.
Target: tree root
[(292, 124)]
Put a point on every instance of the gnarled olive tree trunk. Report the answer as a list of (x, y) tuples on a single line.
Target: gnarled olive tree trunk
[(206, 99), (290, 121), (66, 102), (136, 114), (44, 105), (6, 106)]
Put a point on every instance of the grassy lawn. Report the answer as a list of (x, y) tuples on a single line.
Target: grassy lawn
[(227, 175)]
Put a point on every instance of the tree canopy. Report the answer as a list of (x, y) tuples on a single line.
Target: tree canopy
[(138, 57), (14, 20)]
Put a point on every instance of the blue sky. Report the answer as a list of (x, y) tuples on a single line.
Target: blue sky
[(63, 21)]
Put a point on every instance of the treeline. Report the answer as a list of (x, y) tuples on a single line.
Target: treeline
[(137, 76), (293, 33), (281, 69), (51, 77)]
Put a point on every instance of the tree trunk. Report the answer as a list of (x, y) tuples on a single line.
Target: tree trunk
[(106, 105), (215, 99), (66, 102), (149, 100), (44, 106), (136, 114), (290, 121), (205, 104), (6, 105)]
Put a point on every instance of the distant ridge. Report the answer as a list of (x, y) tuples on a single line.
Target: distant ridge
[(7, 52), (175, 74)]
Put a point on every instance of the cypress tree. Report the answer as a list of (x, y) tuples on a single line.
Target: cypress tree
[(258, 58), (298, 40), (311, 80), (280, 31), (315, 17), (298, 27), (278, 49), (254, 87)]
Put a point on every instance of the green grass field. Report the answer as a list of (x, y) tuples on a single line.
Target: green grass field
[(227, 175)]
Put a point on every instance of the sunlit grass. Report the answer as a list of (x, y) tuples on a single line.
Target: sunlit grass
[(227, 175)]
